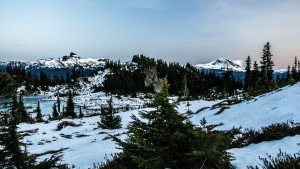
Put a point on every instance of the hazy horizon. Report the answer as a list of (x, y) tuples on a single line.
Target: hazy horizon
[(173, 30)]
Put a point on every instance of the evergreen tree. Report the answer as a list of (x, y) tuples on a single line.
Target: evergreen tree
[(255, 73), (228, 81), (185, 89), (13, 156), (80, 112), (262, 84), (108, 118), (294, 73), (248, 74), (7, 84), (39, 116), (55, 114), (289, 78), (298, 70), (24, 117), (288, 73), (167, 139), (267, 63), (70, 106), (58, 102), (151, 144), (296, 63)]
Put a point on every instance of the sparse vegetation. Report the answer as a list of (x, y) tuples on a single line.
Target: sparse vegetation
[(282, 161), (152, 136), (274, 131)]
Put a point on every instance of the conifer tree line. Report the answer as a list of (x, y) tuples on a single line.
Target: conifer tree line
[(34, 80), (260, 78), (124, 80), (12, 151), (129, 78)]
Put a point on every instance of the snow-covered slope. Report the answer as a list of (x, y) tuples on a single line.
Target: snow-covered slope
[(222, 64), (250, 155), (277, 106), (85, 144), (274, 107), (88, 98)]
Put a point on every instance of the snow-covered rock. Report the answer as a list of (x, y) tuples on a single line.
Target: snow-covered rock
[(222, 64)]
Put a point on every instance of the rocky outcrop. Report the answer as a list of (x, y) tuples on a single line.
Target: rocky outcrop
[(152, 80)]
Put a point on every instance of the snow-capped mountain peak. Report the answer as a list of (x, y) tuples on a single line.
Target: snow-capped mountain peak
[(222, 64), (68, 61), (57, 63)]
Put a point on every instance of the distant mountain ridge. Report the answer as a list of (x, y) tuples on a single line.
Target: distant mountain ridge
[(222, 64), (62, 65), (63, 62)]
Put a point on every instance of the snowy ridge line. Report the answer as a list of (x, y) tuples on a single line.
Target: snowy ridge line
[(59, 63), (222, 64)]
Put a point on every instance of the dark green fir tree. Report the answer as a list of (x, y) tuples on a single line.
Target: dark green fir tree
[(248, 74), (267, 63), (164, 138), (151, 143), (12, 152), (55, 114), (185, 90), (80, 112), (24, 117), (70, 106), (109, 119), (39, 116)]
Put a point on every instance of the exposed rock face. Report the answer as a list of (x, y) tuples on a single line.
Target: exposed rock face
[(152, 80)]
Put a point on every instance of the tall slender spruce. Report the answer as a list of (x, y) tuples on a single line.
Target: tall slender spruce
[(70, 106), (39, 116), (267, 63), (248, 74), (23, 115)]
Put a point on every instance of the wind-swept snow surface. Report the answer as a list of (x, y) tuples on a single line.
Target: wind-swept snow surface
[(249, 156), (277, 106), (85, 144)]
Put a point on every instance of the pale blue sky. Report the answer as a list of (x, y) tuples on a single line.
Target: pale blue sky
[(195, 31)]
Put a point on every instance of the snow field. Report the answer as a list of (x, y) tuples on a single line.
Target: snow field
[(277, 106)]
